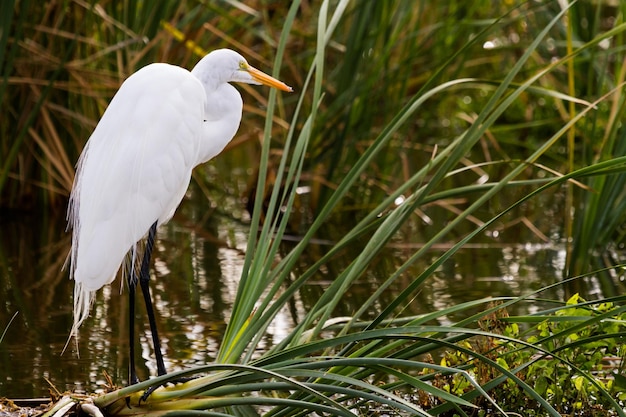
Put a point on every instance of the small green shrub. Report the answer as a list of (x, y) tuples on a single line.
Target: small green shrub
[(573, 358)]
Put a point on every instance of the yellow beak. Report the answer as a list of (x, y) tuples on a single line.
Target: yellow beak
[(265, 79)]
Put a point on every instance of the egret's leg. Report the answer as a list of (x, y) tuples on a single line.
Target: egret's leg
[(132, 285), (144, 281)]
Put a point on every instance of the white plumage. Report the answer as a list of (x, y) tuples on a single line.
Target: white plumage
[(137, 164)]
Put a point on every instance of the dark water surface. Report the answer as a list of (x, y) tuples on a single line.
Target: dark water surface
[(197, 264)]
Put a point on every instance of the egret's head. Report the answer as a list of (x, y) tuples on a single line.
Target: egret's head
[(226, 65), (248, 74)]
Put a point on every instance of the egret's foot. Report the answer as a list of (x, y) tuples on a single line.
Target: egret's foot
[(147, 393), (153, 388)]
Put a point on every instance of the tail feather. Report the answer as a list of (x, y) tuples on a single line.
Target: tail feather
[(83, 299)]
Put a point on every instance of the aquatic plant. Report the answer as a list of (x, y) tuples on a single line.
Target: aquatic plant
[(405, 135)]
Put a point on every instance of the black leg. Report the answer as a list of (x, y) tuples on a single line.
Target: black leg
[(144, 281), (132, 285)]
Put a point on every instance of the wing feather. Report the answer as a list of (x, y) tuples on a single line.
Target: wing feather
[(133, 171)]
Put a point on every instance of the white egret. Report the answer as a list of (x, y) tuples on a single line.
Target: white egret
[(136, 167)]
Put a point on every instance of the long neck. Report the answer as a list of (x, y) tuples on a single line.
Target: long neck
[(223, 108)]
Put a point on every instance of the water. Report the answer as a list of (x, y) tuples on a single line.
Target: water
[(197, 263)]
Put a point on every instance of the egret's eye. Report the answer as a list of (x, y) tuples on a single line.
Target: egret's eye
[(243, 66)]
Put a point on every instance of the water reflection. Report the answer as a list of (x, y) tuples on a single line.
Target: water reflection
[(198, 262)]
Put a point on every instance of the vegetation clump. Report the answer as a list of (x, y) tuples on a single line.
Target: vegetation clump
[(572, 356)]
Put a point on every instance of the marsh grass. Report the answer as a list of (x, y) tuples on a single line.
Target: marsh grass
[(405, 110)]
